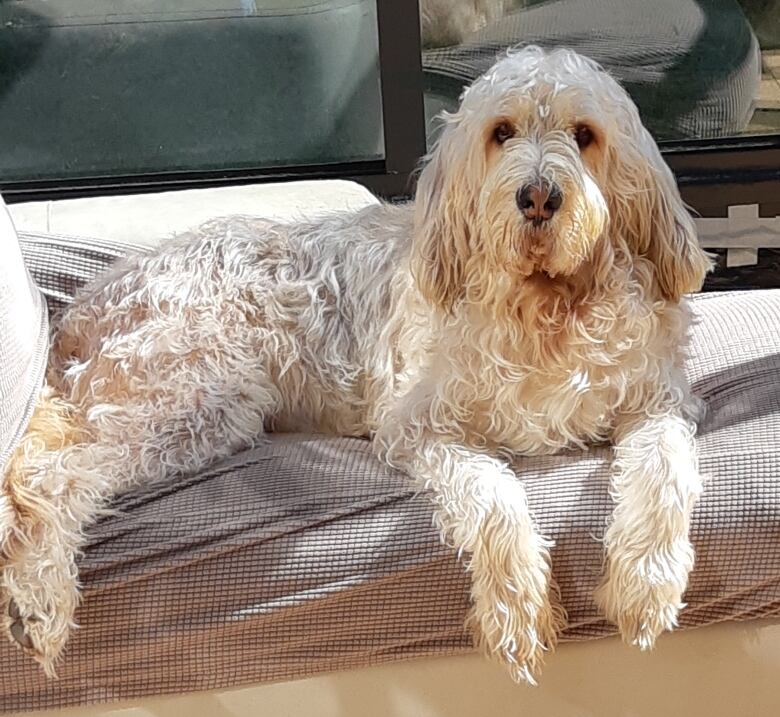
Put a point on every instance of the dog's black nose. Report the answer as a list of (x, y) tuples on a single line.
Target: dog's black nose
[(539, 201)]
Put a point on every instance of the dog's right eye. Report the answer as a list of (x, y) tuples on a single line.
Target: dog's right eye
[(503, 132), (583, 136)]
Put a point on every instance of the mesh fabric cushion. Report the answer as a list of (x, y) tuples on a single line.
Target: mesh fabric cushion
[(306, 555), (24, 343)]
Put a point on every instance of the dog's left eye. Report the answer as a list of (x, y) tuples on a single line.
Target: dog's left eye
[(503, 132), (583, 136)]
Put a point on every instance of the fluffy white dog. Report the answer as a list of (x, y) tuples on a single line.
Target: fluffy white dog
[(529, 301)]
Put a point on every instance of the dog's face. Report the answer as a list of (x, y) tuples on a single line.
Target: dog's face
[(544, 177), (546, 170)]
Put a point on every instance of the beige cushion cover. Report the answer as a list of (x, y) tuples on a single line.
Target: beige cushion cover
[(24, 340)]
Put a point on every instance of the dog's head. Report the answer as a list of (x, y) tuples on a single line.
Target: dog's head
[(546, 169)]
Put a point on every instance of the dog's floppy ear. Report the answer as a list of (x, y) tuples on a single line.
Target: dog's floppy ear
[(655, 222), (444, 213)]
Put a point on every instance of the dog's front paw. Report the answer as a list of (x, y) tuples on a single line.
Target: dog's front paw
[(515, 620), (38, 616), (641, 620), (644, 597)]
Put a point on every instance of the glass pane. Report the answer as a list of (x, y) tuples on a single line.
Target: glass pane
[(111, 87), (697, 68)]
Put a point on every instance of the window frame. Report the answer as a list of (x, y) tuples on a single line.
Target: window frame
[(716, 174), (712, 174)]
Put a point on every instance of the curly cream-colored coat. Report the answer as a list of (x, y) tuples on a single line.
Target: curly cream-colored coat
[(457, 332)]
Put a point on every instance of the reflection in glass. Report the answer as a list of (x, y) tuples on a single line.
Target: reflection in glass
[(696, 68)]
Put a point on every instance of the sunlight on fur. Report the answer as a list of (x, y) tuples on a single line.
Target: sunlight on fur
[(529, 301)]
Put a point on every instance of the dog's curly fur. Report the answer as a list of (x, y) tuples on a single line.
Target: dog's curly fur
[(454, 331)]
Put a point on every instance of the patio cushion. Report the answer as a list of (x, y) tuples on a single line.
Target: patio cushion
[(24, 342), (306, 555), (692, 67)]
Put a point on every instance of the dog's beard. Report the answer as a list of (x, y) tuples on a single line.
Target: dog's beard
[(551, 251), (563, 248), (536, 251), (557, 248)]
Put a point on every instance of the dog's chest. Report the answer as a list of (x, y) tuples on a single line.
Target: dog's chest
[(552, 391), (547, 411)]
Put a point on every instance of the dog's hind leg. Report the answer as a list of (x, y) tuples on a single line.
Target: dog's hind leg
[(170, 363), (57, 494), (42, 531), (178, 418)]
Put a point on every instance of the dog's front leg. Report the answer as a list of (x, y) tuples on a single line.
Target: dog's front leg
[(481, 510), (655, 485)]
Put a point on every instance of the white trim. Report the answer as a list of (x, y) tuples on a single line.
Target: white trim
[(742, 229)]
